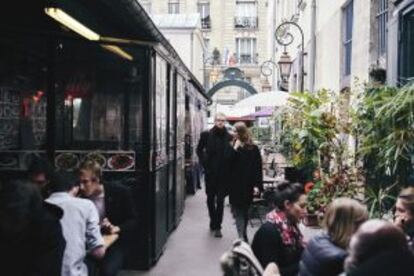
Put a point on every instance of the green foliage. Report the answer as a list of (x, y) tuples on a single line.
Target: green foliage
[(262, 134), (379, 200), (385, 128), (310, 129)]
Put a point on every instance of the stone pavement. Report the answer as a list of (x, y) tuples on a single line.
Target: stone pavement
[(192, 249)]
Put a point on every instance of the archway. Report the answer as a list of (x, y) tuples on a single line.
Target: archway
[(232, 77)]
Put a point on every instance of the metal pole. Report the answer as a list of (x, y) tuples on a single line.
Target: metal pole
[(312, 51)]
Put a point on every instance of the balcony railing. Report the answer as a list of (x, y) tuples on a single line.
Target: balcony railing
[(246, 22), (205, 23), (247, 59)]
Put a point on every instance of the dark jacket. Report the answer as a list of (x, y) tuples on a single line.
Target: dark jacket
[(246, 173), (215, 154), (38, 250), (322, 258), (389, 263), (120, 209), (268, 247)]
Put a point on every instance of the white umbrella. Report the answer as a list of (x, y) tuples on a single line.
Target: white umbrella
[(271, 98)]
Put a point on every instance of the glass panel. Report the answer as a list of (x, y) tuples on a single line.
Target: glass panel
[(23, 82), (161, 109), (91, 86), (407, 48), (173, 8)]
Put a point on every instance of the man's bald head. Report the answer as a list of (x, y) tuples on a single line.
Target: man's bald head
[(372, 238)]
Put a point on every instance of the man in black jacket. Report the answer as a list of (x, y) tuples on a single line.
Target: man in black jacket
[(215, 152), (116, 212)]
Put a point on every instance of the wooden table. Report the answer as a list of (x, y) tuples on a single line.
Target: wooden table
[(110, 239)]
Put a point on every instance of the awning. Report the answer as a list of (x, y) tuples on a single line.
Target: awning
[(264, 99)]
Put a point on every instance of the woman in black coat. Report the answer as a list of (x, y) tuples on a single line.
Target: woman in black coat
[(246, 177)]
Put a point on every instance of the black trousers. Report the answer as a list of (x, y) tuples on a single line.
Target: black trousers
[(110, 265), (215, 204)]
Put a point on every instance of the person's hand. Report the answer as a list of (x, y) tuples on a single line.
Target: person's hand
[(256, 191), (271, 270), (109, 228), (237, 144)]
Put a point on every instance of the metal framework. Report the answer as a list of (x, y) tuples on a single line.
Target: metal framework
[(285, 38)]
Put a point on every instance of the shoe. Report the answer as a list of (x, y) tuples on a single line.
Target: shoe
[(218, 234)]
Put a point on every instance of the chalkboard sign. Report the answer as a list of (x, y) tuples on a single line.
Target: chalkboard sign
[(9, 118)]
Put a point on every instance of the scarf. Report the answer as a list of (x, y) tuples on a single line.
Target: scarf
[(290, 233)]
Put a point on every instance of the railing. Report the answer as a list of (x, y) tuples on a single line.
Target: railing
[(247, 59), (243, 22)]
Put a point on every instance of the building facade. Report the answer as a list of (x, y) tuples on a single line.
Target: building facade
[(348, 42), (235, 34), (183, 31)]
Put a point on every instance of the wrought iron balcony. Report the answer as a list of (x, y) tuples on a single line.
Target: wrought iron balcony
[(246, 22)]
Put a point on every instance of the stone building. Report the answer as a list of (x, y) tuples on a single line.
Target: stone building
[(348, 42), (235, 34)]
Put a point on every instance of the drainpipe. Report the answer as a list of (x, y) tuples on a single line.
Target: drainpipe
[(312, 50), (274, 72), (192, 53)]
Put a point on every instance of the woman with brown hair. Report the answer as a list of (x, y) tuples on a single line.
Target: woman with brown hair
[(326, 253), (404, 213), (246, 177)]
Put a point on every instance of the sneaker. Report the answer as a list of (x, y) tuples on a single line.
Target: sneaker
[(218, 234)]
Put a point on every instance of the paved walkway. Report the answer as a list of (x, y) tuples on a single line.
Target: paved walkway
[(192, 249)]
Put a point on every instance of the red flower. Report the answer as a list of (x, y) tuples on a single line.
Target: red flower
[(308, 187)]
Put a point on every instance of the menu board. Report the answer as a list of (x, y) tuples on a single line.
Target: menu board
[(9, 118)]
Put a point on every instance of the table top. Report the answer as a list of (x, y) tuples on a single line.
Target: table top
[(110, 239)]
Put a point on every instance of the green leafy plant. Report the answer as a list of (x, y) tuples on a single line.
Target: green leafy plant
[(385, 130), (379, 200)]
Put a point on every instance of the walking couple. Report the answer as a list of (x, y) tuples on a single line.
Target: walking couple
[(232, 166)]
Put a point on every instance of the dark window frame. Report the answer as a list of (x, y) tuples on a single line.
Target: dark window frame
[(382, 20)]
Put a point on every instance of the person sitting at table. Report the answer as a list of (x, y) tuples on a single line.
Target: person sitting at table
[(31, 239), (80, 224), (116, 211), (279, 239)]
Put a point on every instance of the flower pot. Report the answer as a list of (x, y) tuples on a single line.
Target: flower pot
[(311, 220)]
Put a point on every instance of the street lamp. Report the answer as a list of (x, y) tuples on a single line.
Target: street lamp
[(285, 65), (285, 38)]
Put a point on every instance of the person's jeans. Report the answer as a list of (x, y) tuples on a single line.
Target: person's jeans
[(241, 215), (215, 204)]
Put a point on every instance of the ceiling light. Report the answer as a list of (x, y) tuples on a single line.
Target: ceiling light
[(118, 51), (70, 22)]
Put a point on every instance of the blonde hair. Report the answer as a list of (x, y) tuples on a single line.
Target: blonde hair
[(244, 133), (92, 166), (342, 219), (407, 198)]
